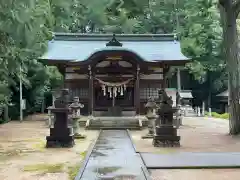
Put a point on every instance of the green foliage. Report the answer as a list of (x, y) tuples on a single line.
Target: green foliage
[(202, 38), (24, 32), (27, 25), (220, 116), (225, 116)]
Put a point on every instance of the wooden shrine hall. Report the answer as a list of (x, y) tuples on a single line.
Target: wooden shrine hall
[(114, 75)]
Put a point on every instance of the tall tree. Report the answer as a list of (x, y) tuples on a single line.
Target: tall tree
[(229, 10), (201, 40)]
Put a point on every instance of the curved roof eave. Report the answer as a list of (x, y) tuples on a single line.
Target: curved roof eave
[(110, 48)]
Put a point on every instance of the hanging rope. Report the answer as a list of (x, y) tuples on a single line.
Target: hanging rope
[(117, 84)]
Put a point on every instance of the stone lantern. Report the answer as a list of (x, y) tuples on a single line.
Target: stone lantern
[(151, 107), (60, 134), (166, 132), (76, 114)]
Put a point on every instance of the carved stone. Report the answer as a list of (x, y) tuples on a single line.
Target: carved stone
[(76, 114), (166, 133), (151, 116), (60, 134)]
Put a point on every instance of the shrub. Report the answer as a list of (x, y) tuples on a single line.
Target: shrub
[(225, 116), (216, 115), (221, 116)]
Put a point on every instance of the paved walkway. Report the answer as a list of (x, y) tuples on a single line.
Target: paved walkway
[(113, 157), (188, 160)]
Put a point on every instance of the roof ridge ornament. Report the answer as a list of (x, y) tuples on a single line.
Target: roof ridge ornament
[(114, 42)]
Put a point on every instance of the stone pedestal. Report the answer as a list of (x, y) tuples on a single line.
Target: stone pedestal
[(60, 134), (151, 127), (76, 129), (166, 136)]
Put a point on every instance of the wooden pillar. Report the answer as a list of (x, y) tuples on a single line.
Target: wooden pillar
[(61, 69), (90, 96), (165, 71), (178, 80), (137, 94)]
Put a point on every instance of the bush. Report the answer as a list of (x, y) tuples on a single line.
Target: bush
[(225, 116), (216, 115), (221, 116)]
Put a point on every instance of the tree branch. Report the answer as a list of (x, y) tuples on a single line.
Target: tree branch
[(236, 7)]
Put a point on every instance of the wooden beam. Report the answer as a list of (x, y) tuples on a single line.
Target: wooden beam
[(137, 92)]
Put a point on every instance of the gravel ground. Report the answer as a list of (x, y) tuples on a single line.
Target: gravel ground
[(22, 144), (197, 135)]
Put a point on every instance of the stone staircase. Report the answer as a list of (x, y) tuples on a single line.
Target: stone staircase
[(114, 123)]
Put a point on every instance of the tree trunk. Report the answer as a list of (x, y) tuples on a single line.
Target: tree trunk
[(231, 50)]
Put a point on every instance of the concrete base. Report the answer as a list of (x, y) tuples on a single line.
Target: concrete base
[(148, 136), (166, 141), (166, 136), (60, 138), (66, 142)]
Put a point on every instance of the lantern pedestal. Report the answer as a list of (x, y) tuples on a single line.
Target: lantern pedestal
[(60, 134), (76, 114)]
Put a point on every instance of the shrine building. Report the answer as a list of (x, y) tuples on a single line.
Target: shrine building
[(112, 73)]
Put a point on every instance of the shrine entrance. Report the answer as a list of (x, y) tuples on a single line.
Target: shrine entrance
[(114, 95), (114, 90)]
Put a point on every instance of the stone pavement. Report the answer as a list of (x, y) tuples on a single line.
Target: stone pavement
[(113, 157), (187, 160)]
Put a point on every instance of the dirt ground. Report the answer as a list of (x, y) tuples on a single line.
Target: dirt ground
[(22, 149), (197, 135)]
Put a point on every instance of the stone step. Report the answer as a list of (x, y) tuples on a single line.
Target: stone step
[(116, 122), (111, 127)]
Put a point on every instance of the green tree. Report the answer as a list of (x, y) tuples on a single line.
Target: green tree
[(25, 27), (229, 10)]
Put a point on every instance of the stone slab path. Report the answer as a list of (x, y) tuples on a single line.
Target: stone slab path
[(189, 160), (113, 157)]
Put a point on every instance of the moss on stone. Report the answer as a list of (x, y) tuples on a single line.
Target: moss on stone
[(73, 170), (44, 168)]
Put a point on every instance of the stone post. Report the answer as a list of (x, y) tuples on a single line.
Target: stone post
[(198, 111), (210, 112), (203, 108)]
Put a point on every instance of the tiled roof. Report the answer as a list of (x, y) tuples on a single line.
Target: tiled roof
[(79, 47)]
